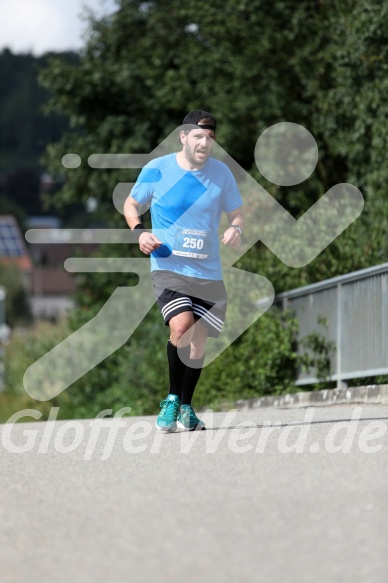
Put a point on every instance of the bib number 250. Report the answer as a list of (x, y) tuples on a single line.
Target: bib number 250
[(192, 243)]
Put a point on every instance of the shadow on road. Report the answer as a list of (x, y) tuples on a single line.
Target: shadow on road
[(296, 423)]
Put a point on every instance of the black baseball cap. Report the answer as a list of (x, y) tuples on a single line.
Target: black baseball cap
[(201, 118)]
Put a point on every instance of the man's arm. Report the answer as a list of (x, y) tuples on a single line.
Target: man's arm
[(147, 241), (232, 236), (131, 212)]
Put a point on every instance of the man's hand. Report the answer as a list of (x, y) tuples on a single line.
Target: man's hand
[(148, 242), (231, 237)]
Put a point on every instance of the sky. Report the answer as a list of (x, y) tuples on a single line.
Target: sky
[(37, 26)]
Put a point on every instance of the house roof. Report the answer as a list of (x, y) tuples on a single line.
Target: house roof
[(13, 248)]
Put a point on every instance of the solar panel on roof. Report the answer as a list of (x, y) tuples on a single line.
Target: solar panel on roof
[(11, 242)]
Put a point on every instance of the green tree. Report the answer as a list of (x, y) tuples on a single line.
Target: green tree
[(25, 131)]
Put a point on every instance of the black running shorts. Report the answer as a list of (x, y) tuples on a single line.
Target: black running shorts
[(205, 298)]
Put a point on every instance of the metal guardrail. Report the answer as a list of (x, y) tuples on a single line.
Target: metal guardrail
[(355, 307)]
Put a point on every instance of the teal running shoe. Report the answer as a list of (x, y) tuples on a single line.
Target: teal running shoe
[(188, 421), (168, 415)]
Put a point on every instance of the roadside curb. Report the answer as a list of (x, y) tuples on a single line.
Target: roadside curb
[(371, 394)]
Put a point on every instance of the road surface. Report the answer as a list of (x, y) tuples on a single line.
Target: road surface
[(284, 496)]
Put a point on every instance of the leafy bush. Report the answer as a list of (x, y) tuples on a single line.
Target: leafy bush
[(318, 354), (17, 309), (25, 347)]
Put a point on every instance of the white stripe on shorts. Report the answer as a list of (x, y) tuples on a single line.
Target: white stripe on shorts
[(205, 314), (174, 304), (212, 316)]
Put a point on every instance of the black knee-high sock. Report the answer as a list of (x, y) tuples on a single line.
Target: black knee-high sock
[(190, 379), (176, 367)]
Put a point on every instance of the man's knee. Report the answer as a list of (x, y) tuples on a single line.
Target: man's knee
[(181, 327)]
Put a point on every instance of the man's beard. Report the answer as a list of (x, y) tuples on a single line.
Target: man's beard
[(190, 155)]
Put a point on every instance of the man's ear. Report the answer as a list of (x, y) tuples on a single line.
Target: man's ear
[(182, 136)]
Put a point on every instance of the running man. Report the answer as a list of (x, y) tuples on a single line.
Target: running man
[(188, 192)]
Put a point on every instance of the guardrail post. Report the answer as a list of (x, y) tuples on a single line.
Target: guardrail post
[(339, 336), (384, 313), (2, 335)]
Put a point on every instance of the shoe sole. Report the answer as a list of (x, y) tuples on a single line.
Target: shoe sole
[(165, 429), (199, 427)]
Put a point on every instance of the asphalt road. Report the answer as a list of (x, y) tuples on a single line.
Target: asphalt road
[(297, 496)]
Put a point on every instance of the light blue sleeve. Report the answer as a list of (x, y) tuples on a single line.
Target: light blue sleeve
[(143, 190)]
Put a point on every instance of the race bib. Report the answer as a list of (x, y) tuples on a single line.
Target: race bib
[(192, 243)]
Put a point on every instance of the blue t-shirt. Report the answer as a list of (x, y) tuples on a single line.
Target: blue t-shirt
[(186, 208)]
